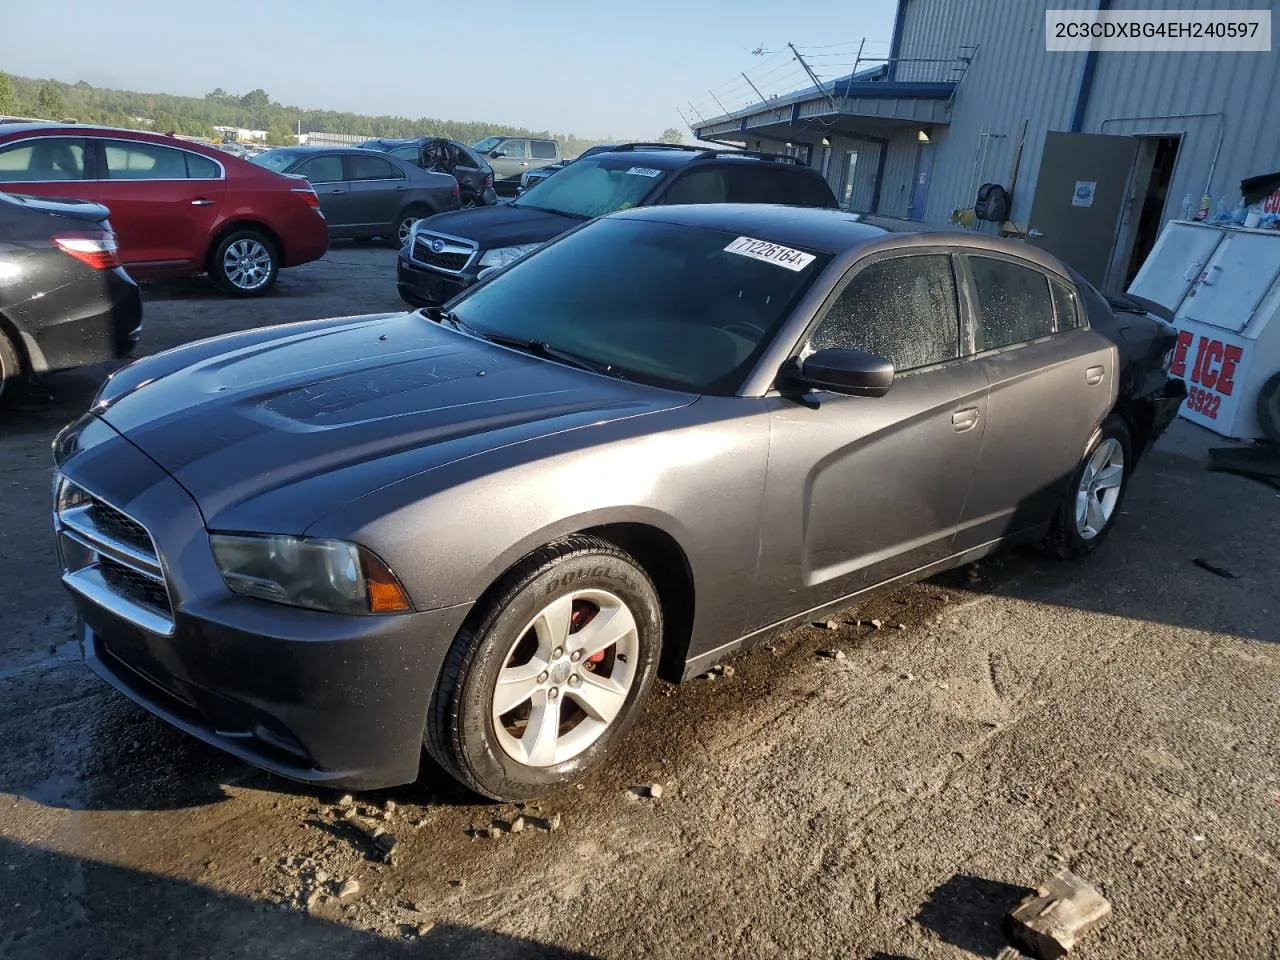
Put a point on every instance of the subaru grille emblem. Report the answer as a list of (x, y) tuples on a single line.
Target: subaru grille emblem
[(437, 246)]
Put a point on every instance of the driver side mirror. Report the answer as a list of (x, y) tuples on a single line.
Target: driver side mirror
[(497, 154), (854, 373)]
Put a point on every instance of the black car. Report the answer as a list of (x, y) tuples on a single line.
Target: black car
[(447, 253), (439, 154), (65, 301)]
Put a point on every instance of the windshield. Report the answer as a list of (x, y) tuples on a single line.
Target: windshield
[(592, 187), (654, 302), (487, 144), (274, 159)]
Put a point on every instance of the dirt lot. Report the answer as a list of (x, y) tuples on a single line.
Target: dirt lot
[(1118, 716)]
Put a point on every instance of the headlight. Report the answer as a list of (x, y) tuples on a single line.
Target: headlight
[(504, 255), (330, 575)]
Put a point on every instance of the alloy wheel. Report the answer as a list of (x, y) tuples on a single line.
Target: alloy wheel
[(566, 678), (247, 264), (1099, 490), (405, 228)]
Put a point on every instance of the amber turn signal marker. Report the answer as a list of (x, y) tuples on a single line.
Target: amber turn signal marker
[(385, 593)]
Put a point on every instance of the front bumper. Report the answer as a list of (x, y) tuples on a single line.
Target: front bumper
[(423, 287), (90, 320), (315, 697)]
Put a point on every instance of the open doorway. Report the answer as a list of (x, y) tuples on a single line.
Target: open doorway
[(1157, 156)]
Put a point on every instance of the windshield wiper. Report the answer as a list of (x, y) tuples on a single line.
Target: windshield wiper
[(540, 348), (558, 213)]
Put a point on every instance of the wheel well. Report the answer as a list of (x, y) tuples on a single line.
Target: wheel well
[(1140, 417), (11, 333), (668, 567), (235, 225)]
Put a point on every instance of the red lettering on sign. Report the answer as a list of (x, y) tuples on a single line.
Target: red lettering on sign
[(1226, 376), (1208, 373), (1179, 366), (1198, 373)]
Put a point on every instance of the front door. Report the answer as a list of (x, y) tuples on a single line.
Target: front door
[(863, 490), (1051, 382), (164, 202), (1080, 195), (514, 159)]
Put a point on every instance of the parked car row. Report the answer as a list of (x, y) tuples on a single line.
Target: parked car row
[(472, 171)]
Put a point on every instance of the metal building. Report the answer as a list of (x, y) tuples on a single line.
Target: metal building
[(969, 96)]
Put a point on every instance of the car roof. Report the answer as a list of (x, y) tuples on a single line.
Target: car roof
[(829, 231), (320, 148)]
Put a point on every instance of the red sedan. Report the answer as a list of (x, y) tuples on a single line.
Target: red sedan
[(178, 208)]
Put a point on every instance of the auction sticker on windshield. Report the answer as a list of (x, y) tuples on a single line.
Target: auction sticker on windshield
[(644, 172), (773, 253)]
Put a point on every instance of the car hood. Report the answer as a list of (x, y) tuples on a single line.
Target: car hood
[(271, 431), (500, 226)]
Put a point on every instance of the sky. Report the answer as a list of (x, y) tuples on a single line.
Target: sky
[(594, 68)]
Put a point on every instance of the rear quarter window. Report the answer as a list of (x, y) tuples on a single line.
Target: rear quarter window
[(543, 149)]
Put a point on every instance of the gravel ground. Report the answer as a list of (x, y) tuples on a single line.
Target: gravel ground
[(1116, 716)]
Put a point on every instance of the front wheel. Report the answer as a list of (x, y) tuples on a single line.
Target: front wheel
[(548, 674), (11, 372), (404, 226), (245, 264), (1098, 484)]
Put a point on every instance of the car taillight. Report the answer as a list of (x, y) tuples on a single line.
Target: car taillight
[(98, 250), (488, 180), (456, 190), (308, 195)]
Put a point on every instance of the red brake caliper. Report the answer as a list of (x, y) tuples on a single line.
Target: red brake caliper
[(581, 617)]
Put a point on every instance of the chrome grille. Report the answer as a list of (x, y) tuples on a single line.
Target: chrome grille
[(110, 559), (449, 254)]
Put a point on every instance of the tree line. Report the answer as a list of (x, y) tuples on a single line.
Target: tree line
[(255, 110)]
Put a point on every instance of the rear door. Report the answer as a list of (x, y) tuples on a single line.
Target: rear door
[(1081, 192), (542, 153), (862, 490), (48, 167), (1051, 381), (377, 191), (164, 201), (328, 178)]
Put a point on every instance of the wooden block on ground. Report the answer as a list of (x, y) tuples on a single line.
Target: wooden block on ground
[(1049, 922)]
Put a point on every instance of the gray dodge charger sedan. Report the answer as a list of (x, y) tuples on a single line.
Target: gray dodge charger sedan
[(661, 438)]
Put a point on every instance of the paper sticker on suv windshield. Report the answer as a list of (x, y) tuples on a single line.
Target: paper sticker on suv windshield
[(644, 172), (795, 260)]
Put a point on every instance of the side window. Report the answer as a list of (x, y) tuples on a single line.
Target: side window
[(135, 160), (462, 158), (324, 169), (371, 168), (515, 149), (202, 168), (52, 158), (543, 149), (699, 186), (408, 154), (902, 309), (1065, 306), (757, 184), (1013, 303)]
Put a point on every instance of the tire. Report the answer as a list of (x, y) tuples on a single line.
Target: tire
[(1269, 409), (468, 201), (245, 263), (495, 755), (1078, 528), (405, 222), (12, 376)]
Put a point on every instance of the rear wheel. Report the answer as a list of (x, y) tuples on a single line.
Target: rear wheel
[(468, 201), (548, 674), (11, 372), (245, 264), (404, 226), (1093, 498)]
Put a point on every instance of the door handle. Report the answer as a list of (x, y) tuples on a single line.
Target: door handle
[(964, 420), (1093, 376), (524, 163), (337, 190), (1034, 234), (202, 202)]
